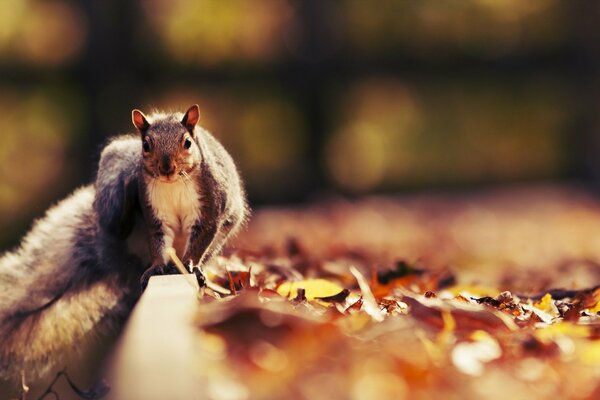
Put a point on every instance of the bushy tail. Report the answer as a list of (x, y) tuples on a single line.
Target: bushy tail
[(53, 292)]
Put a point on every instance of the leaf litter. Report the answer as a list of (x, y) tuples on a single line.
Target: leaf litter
[(353, 338), (357, 300)]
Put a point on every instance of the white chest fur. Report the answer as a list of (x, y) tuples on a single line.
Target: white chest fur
[(177, 206)]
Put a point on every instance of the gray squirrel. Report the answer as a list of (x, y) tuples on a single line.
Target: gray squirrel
[(77, 272)]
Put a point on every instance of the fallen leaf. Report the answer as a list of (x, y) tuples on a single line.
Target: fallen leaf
[(590, 353), (369, 303), (400, 270), (551, 332), (336, 298), (468, 316), (313, 288), (473, 291), (546, 304)]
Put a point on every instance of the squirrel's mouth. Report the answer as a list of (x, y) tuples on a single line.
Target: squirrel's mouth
[(168, 178), (171, 178)]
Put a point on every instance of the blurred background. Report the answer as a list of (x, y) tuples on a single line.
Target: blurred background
[(310, 97)]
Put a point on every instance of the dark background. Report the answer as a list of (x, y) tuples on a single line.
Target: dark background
[(311, 97)]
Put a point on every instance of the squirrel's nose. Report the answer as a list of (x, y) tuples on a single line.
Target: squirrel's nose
[(166, 166), (167, 172)]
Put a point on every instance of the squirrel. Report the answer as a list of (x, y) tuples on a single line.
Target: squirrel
[(185, 186), (77, 272)]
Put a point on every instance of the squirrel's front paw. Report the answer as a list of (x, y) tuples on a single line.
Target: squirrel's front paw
[(153, 270), (200, 276), (168, 269)]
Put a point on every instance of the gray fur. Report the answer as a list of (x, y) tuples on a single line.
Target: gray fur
[(76, 273), (233, 209), (117, 200), (48, 289), (71, 278)]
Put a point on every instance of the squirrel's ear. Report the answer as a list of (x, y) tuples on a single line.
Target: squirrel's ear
[(139, 120), (191, 117)]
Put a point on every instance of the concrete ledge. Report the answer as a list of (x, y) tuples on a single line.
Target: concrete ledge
[(155, 356)]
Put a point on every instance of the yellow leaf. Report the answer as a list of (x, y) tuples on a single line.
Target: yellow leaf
[(480, 335), (449, 322), (546, 304), (354, 323), (590, 353), (436, 353), (550, 332), (595, 309), (212, 343), (312, 288), (447, 333)]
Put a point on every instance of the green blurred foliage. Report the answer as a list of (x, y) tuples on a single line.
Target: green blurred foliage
[(38, 134), (216, 32), (438, 29), (395, 135), (41, 34)]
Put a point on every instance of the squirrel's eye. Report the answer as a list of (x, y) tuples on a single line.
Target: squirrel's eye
[(187, 144), (146, 146)]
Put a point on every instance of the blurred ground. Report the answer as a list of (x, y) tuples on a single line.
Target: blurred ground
[(494, 294), (503, 236)]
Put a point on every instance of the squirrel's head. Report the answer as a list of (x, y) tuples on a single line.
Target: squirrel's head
[(169, 146)]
